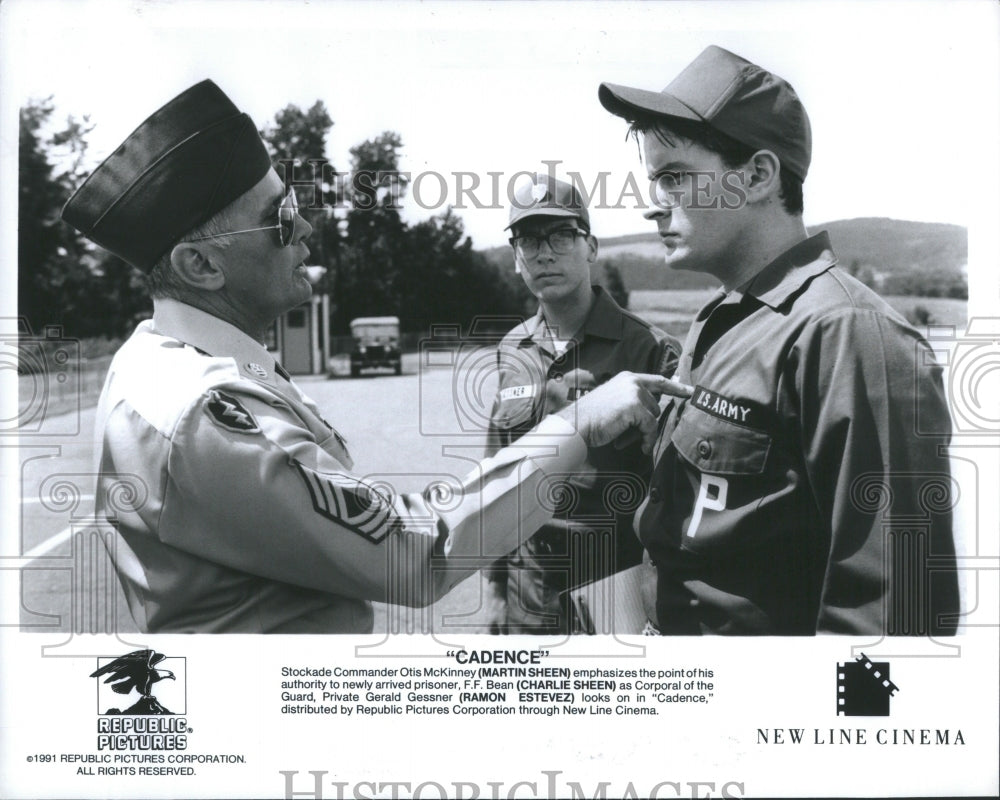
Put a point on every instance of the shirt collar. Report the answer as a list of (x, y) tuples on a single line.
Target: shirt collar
[(213, 336), (790, 271), (604, 320)]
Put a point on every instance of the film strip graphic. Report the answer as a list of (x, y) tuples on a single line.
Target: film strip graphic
[(864, 688)]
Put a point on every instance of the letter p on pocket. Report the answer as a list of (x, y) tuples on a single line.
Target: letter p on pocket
[(712, 496)]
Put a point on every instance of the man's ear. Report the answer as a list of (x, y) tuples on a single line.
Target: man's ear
[(763, 177), (594, 248), (198, 266)]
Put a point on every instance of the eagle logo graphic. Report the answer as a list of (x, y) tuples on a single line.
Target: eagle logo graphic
[(136, 671)]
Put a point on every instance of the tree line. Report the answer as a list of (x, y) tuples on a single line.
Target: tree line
[(425, 273)]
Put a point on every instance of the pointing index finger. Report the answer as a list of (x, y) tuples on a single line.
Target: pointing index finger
[(657, 385)]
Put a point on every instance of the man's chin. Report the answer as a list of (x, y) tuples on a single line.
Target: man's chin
[(303, 277), (303, 291), (679, 261)]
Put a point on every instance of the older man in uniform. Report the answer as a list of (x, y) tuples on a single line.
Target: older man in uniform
[(231, 495), (579, 338), (795, 492)]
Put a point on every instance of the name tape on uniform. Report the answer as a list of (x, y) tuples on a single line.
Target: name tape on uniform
[(517, 392)]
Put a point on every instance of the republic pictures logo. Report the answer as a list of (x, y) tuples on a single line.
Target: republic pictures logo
[(864, 688), (154, 683)]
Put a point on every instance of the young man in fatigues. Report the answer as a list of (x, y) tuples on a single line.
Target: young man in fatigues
[(231, 497), (579, 338), (797, 490)]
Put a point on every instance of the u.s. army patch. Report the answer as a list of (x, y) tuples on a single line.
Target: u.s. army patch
[(229, 413)]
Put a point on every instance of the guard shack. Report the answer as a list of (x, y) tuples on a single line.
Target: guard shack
[(301, 339)]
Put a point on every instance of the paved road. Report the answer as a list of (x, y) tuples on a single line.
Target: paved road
[(397, 428)]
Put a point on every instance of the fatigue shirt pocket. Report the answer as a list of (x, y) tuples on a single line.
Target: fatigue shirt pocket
[(717, 447), (718, 499)]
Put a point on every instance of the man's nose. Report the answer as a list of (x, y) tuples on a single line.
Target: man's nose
[(303, 227), (656, 213), (545, 249)]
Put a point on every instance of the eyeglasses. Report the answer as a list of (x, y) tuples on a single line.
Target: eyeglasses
[(560, 242), (288, 213)]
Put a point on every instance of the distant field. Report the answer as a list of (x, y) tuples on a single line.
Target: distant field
[(647, 249), (673, 310)]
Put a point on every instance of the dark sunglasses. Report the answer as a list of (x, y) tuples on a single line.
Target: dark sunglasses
[(288, 213)]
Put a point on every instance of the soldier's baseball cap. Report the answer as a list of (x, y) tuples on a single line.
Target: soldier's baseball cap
[(545, 196), (733, 96), (185, 163)]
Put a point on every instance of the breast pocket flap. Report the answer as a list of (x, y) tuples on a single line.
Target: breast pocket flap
[(718, 447)]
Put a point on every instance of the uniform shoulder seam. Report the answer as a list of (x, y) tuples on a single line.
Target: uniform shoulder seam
[(835, 276)]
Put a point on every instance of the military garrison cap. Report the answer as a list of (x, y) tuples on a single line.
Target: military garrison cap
[(185, 163)]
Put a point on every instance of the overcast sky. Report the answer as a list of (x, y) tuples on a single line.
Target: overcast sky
[(902, 96)]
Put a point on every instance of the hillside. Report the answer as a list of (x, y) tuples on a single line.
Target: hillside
[(895, 246), (894, 256)]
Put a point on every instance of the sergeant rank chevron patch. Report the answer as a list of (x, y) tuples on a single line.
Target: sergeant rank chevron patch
[(350, 502)]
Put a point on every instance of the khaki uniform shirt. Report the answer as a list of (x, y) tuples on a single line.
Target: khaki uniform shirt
[(235, 507)]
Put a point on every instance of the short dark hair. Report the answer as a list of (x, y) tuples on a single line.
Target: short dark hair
[(733, 153)]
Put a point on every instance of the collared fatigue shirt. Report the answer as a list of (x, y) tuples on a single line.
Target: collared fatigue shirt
[(591, 534), (794, 492), (234, 503)]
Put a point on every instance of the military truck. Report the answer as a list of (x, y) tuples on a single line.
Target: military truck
[(376, 345)]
